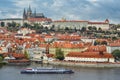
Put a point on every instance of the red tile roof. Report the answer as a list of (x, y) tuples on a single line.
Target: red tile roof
[(114, 44), (50, 55), (69, 37), (97, 48), (67, 44), (18, 55), (70, 21), (44, 45), (97, 23), (89, 55), (39, 19)]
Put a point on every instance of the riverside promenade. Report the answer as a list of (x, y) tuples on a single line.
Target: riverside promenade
[(86, 64)]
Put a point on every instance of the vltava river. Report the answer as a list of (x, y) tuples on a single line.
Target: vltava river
[(13, 73)]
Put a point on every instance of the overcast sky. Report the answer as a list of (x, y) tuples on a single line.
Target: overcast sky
[(91, 10)]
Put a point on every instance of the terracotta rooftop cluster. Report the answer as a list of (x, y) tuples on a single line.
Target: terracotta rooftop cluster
[(69, 37), (67, 44), (39, 19)]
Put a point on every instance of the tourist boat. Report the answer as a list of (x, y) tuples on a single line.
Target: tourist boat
[(46, 71)]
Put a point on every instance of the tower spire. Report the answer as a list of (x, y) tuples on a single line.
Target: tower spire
[(24, 14), (29, 12), (29, 9)]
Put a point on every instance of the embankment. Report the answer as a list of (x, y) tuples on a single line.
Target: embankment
[(85, 64)]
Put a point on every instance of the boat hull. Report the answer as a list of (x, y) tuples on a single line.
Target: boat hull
[(47, 72)]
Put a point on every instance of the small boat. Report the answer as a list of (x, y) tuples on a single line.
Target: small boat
[(46, 71)]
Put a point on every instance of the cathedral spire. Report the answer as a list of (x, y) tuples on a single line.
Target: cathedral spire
[(29, 9), (29, 12), (24, 14)]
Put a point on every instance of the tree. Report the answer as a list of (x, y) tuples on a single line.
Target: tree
[(94, 28), (83, 29), (104, 42), (1, 58), (114, 38), (116, 54), (66, 28), (25, 25), (99, 29), (9, 24), (59, 54), (96, 43), (26, 54), (13, 24), (2, 24), (90, 27)]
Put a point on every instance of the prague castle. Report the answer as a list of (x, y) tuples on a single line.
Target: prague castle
[(32, 17)]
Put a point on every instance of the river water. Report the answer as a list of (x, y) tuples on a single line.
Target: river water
[(13, 73)]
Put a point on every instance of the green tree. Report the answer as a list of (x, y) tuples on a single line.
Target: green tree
[(96, 43), (1, 58), (116, 54), (104, 43), (94, 28), (2, 24), (13, 24), (9, 24), (26, 54), (59, 54), (26, 25), (99, 29), (114, 38), (66, 28), (90, 27), (83, 29)]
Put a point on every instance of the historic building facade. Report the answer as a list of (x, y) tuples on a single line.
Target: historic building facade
[(78, 24)]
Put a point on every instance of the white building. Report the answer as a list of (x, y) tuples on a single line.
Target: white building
[(103, 25), (10, 20), (49, 38), (72, 24), (113, 46), (89, 57)]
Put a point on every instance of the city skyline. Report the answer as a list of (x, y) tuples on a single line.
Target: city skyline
[(96, 10)]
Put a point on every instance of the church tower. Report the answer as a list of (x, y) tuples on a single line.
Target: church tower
[(24, 14), (29, 12), (106, 21)]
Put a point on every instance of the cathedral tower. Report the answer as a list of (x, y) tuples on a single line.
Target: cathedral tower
[(29, 12), (24, 14)]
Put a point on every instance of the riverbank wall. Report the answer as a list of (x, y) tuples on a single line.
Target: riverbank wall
[(85, 64)]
